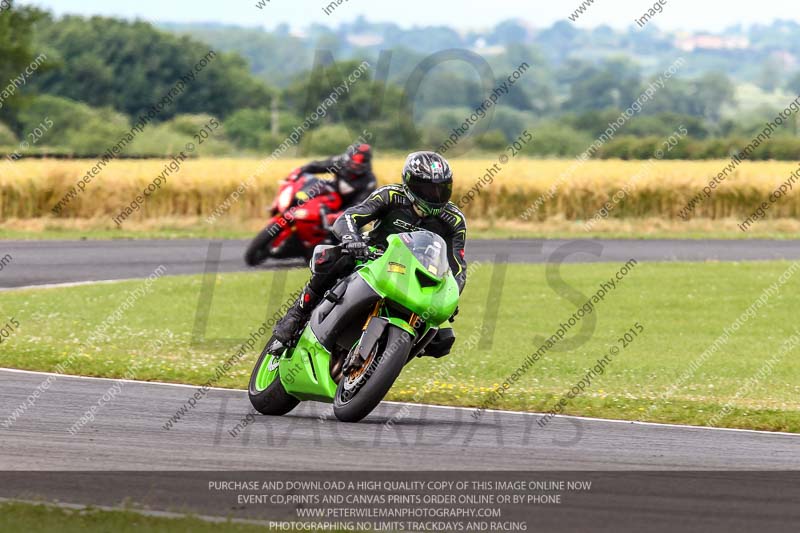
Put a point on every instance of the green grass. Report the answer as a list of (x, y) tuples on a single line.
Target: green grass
[(26, 517), (193, 232), (493, 233), (682, 306), (479, 229), (651, 234)]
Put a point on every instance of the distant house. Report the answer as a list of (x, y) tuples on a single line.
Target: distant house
[(481, 47), (690, 43), (365, 39)]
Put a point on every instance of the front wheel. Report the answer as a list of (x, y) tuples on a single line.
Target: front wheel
[(361, 391), (266, 391), (259, 249)]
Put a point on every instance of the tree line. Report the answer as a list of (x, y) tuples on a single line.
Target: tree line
[(101, 73)]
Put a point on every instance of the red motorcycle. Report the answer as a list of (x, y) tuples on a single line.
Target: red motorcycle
[(302, 215)]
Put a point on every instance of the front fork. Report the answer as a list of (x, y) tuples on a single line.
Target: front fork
[(361, 354), (370, 335)]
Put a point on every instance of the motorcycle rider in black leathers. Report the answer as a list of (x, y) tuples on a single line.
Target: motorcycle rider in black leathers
[(421, 202), (352, 172)]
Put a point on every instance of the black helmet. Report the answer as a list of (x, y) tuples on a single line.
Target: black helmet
[(428, 181), (357, 158)]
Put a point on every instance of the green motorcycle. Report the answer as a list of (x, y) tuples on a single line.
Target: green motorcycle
[(362, 334)]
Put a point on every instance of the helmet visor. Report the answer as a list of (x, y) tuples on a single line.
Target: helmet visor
[(435, 194), (357, 164)]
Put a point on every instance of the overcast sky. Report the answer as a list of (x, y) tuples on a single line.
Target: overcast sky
[(465, 14)]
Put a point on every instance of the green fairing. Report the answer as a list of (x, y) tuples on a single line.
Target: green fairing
[(305, 373), (435, 304)]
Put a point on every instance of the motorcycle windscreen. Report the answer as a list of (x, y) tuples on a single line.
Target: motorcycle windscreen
[(429, 249), (313, 187)]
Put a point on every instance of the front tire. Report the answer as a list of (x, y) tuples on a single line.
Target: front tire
[(258, 250), (356, 398), (266, 391)]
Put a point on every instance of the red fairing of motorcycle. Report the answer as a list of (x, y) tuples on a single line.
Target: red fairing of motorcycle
[(302, 214)]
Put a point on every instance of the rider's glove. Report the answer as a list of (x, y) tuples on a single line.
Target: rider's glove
[(356, 248)]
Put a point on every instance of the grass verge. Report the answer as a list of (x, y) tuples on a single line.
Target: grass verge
[(26, 517), (683, 308), (554, 228)]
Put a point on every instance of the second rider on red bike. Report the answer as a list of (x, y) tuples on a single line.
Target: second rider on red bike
[(352, 173), (306, 205)]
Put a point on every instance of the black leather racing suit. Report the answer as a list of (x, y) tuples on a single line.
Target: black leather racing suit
[(352, 188), (392, 212)]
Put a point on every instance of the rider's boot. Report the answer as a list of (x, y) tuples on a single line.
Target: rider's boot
[(289, 326), (441, 344)]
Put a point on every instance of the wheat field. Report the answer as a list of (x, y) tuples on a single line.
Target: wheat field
[(30, 188)]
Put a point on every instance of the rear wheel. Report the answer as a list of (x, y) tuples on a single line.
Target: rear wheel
[(266, 391), (360, 391), (259, 249)]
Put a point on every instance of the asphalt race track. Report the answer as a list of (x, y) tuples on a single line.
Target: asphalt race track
[(129, 433), (128, 430), (658, 477), (47, 262)]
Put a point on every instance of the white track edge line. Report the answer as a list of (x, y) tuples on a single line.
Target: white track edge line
[(66, 284), (453, 407)]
